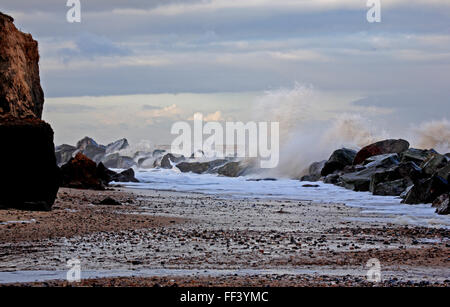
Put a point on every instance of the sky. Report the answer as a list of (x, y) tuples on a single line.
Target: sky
[(132, 68)]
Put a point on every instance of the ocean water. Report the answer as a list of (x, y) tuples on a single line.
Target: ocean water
[(245, 187)]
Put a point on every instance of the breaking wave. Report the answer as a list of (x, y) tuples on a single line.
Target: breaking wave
[(305, 138), (434, 134)]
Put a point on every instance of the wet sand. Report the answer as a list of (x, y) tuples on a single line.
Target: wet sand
[(267, 242)]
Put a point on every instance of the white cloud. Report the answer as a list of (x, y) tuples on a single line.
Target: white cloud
[(211, 117), (167, 112), (300, 55), (57, 63)]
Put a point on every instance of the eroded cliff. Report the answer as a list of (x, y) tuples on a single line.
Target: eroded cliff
[(30, 177)]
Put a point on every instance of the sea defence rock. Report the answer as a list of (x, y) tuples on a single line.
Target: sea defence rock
[(200, 167), (338, 160), (105, 174), (417, 156), (81, 173), (30, 177), (382, 161), (361, 180), (86, 142), (64, 153), (195, 167), (357, 181), (434, 181), (115, 160), (109, 155), (91, 149), (231, 169), (442, 204), (380, 148), (409, 170), (116, 146), (444, 172), (395, 180), (125, 176), (426, 191), (331, 179), (314, 171), (434, 163), (390, 168), (169, 159), (391, 188)]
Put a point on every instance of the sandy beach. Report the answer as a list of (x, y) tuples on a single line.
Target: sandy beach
[(225, 144), (162, 238)]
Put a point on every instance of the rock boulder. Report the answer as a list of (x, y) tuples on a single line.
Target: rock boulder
[(106, 175), (380, 148), (391, 188), (64, 153), (81, 173), (357, 181), (444, 172), (231, 169), (426, 191), (200, 167), (442, 204), (115, 160), (91, 149), (169, 159), (408, 171), (338, 160), (434, 163), (417, 156), (314, 171), (125, 176), (116, 146)]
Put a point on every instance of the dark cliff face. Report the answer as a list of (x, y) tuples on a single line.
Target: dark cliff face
[(21, 94), (30, 177)]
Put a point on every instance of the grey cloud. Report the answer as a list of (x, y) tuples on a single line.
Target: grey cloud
[(363, 73), (90, 45), (67, 108), (413, 99), (242, 23), (150, 107), (87, 5)]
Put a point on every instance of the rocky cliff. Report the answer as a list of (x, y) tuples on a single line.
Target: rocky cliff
[(21, 94), (30, 177)]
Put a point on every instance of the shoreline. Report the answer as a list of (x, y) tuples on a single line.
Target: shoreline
[(160, 230), (289, 190), (308, 277)]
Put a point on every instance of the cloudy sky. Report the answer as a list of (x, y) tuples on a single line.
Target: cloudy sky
[(133, 67)]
